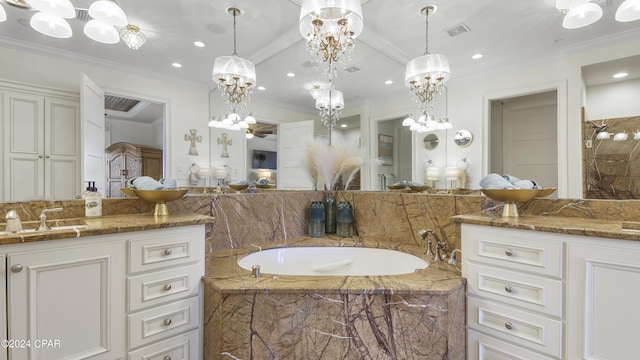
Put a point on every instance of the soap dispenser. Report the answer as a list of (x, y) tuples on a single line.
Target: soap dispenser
[(92, 200)]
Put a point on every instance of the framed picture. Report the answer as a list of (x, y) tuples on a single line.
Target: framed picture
[(385, 149)]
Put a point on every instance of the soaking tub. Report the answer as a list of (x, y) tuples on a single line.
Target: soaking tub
[(337, 261), (326, 312)]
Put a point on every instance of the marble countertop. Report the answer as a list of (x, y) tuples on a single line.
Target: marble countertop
[(224, 274), (103, 225), (555, 224)]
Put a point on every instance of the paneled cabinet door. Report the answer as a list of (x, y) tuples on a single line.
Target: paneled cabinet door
[(603, 320), (67, 302), (41, 146)]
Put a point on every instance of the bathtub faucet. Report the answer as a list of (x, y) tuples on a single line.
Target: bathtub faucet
[(440, 245)]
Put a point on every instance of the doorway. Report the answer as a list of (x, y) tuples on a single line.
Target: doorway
[(524, 137)]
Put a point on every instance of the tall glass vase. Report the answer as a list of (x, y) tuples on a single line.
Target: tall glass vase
[(330, 211)]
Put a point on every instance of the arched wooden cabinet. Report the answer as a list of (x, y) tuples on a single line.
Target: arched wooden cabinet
[(125, 161)]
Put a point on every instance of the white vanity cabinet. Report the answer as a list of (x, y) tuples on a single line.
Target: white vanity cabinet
[(133, 295), (536, 295), (40, 143)]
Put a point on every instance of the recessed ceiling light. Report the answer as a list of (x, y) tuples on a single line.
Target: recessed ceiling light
[(388, 82), (620, 75), (176, 65), (477, 56), (199, 44), (343, 125), (261, 88), (291, 74)]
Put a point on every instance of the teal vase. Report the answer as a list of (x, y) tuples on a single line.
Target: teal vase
[(330, 213)]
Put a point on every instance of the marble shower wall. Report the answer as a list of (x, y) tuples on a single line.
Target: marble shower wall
[(612, 168)]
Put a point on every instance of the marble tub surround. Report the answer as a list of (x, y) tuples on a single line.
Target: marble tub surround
[(412, 316)]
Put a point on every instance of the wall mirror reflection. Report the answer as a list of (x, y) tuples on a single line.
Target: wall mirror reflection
[(430, 141), (463, 138)]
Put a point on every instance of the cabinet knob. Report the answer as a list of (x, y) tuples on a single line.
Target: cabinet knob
[(167, 287), (167, 322), (40, 156), (508, 325), (166, 357), (508, 252), (47, 156), (16, 268), (167, 252), (508, 289)]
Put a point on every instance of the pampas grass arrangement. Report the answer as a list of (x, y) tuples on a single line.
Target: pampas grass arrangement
[(329, 163)]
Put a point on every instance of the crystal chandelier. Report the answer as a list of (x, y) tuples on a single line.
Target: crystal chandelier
[(330, 102), (426, 75), (132, 36), (330, 28), (234, 75), (426, 123), (581, 13), (232, 121)]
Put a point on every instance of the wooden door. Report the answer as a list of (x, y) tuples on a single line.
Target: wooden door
[(293, 139), (92, 120)]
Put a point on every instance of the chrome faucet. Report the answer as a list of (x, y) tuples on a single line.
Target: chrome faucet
[(441, 246), (13, 222), (43, 219)]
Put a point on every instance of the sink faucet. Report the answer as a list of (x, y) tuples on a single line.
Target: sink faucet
[(441, 246), (43, 219), (13, 222)]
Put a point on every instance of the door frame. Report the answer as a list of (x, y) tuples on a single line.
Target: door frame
[(562, 127)]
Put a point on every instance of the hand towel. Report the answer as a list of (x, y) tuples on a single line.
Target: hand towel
[(521, 184), (495, 181), (145, 183), (169, 183)]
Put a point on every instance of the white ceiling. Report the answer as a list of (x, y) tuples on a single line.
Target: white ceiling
[(508, 32)]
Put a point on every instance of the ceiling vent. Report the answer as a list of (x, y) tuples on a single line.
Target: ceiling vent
[(118, 103), (457, 30), (352, 69)]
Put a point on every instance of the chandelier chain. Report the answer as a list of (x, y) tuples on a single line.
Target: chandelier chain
[(234, 32), (426, 31)]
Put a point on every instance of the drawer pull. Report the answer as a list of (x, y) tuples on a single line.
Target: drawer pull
[(508, 325), (167, 322), (167, 287), (508, 252), (508, 289), (167, 252), (16, 268), (166, 357)]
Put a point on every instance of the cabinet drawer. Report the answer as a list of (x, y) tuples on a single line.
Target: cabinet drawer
[(163, 321), (160, 251), (163, 286), (515, 249), (522, 290), (538, 333), (483, 347), (180, 347)]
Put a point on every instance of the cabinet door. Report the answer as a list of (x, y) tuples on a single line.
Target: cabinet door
[(603, 319), (23, 138), (71, 298), (62, 149)]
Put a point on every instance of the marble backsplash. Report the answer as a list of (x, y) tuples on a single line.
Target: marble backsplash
[(393, 216)]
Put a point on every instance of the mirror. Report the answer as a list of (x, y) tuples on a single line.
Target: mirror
[(430, 141), (463, 138)]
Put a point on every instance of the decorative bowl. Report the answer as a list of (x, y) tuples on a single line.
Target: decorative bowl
[(263, 186), (160, 197), (396, 187), (128, 191), (419, 188), (238, 187), (511, 196)]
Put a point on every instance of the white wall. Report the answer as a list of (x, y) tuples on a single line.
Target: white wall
[(615, 100), (132, 132)]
